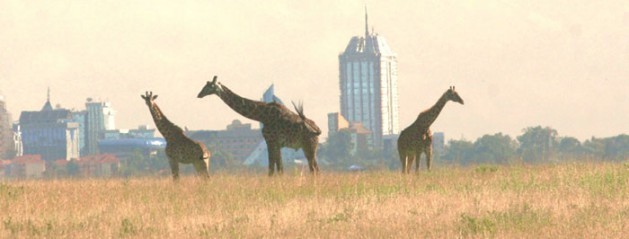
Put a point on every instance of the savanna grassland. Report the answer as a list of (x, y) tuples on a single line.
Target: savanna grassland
[(568, 200)]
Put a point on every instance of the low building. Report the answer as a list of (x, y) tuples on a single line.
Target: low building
[(142, 132), (27, 166), (361, 136), (238, 140), (336, 122)]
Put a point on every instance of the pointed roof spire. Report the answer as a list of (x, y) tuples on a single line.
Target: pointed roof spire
[(366, 23), (47, 106)]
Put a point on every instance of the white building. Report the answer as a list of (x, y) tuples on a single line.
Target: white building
[(368, 84)]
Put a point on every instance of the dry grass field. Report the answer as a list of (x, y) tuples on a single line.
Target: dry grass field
[(570, 200)]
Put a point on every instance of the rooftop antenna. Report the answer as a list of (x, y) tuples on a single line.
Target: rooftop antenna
[(48, 98)]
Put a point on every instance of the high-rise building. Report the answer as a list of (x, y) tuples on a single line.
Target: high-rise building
[(50, 133), (6, 132), (100, 117), (368, 84)]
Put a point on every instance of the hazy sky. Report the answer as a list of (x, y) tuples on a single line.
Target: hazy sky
[(516, 63)]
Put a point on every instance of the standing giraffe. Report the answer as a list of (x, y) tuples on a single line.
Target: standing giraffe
[(417, 138), (179, 148), (281, 127)]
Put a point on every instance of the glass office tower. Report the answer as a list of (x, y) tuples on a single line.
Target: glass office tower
[(368, 84)]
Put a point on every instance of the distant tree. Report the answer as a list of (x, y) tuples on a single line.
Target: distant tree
[(569, 148), (337, 148), (459, 152), (617, 148), (157, 162), (135, 165), (537, 144), (594, 148), (497, 148)]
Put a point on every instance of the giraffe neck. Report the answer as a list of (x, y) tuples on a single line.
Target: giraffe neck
[(251, 109), (165, 127), (426, 118)]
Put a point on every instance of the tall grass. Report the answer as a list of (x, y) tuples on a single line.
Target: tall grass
[(582, 200)]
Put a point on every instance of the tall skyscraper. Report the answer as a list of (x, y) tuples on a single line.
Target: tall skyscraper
[(368, 83)]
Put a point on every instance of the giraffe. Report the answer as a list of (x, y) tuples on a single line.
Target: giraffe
[(417, 138), (179, 148), (281, 127)]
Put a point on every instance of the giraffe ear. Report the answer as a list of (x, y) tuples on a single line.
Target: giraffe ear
[(143, 97), (154, 97)]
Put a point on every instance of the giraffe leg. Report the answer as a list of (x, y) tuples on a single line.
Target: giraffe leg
[(419, 156), (312, 159), (174, 168), (201, 167), (279, 163), (428, 156), (414, 157), (402, 160), (274, 155)]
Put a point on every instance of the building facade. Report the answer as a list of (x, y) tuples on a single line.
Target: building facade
[(359, 135), (368, 85), (336, 122), (99, 117), (50, 133), (238, 140)]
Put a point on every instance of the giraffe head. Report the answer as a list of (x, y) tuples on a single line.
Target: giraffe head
[(453, 96), (210, 88), (149, 98)]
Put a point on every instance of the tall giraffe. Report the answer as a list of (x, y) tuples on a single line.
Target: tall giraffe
[(281, 127), (179, 148), (417, 138)]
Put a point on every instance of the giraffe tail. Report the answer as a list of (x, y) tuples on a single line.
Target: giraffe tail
[(310, 125)]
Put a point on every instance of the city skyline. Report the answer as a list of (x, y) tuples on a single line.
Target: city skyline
[(517, 64)]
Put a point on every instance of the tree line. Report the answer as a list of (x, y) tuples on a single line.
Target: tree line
[(536, 145)]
